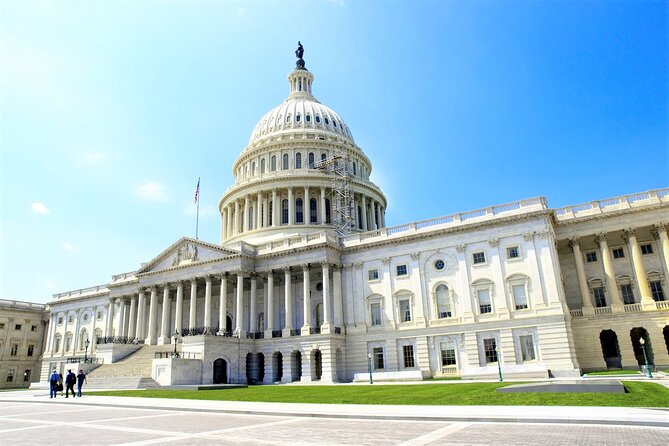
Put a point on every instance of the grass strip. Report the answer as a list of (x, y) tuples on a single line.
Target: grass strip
[(614, 372)]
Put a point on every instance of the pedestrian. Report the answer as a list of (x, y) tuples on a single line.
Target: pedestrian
[(81, 379), (70, 381), (59, 387), (53, 384)]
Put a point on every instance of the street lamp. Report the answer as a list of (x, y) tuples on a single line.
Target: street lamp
[(499, 364), (642, 341), (369, 364), (87, 343), (176, 338)]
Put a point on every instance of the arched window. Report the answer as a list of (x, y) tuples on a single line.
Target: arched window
[(284, 212), (313, 205), (250, 218), (253, 168), (334, 123), (272, 164), (298, 161), (323, 156), (327, 121), (359, 217), (308, 118), (285, 162), (262, 166), (299, 211), (57, 343), (311, 160), (327, 211), (83, 337), (318, 119), (443, 302), (288, 118), (354, 168), (298, 118), (68, 342)]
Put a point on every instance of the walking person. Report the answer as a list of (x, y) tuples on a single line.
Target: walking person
[(53, 384), (81, 379), (70, 381)]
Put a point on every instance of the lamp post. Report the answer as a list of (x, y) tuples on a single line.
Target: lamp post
[(499, 363), (87, 343), (176, 338), (642, 341), (369, 364)]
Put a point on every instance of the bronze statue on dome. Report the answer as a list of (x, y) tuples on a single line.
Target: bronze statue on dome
[(299, 52)]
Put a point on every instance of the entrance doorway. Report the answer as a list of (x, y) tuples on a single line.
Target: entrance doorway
[(317, 357), (610, 349), (637, 333), (220, 371)]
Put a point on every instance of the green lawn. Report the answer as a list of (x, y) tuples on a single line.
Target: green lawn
[(640, 394), (614, 372)]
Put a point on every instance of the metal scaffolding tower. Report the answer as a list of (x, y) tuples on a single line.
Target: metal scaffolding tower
[(338, 166)]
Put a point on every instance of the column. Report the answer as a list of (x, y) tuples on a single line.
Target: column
[(224, 220), (245, 214), (288, 301), (363, 206), (223, 305), (192, 316), (239, 316), (291, 207), (207, 303), (265, 213), (259, 210), (236, 218), (580, 271), (231, 227), (372, 205), (338, 303), (141, 305), (269, 317), (327, 304), (274, 208), (382, 216), (306, 207), (611, 285), (51, 332), (153, 310), (75, 333), (306, 292), (165, 320), (253, 321), (132, 320), (639, 272), (110, 318), (179, 310), (661, 229), (323, 213)]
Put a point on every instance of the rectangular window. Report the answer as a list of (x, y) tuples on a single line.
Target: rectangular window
[(600, 299), (527, 348), (376, 313), (401, 270), (478, 257), (656, 290), (628, 295), (31, 349), (490, 348), (10, 376), (618, 253), (33, 328), (15, 350), (70, 319), (60, 320), (2, 325), (26, 376), (646, 249), (519, 297), (447, 355), (17, 327), (373, 274), (378, 358), (405, 310), (99, 316), (407, 351), (591, 256), (485, 305), (512, 252)]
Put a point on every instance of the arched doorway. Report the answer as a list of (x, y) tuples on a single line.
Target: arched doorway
[(296, 364), (637, 333), (260, 359), (220, 371), (317, 361), (277, 366), (318, 315), (610, 349), (250, 369), (228, 324)]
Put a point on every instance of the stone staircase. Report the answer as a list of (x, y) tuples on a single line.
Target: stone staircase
[(131, 372)]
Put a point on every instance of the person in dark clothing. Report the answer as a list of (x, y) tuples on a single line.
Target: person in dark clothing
[(70, 381), (53, 384), (81, 379)]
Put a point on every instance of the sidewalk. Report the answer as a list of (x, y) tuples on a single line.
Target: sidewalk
[(508, 414)]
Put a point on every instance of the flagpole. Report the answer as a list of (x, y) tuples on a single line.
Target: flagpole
[(197, 215)]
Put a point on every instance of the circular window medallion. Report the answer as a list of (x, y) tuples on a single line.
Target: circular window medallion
[(439, 264), (319, 286)]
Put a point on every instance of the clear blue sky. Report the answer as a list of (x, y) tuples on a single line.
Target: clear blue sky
[(110, 111)]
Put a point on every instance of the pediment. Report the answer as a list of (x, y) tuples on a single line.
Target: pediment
[(185, 251)]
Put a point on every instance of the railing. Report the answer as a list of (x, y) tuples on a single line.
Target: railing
[(277, 333), (124, 276), (206, 331), (91, 360), (661, 305), (295, 332), (19, 304), (314, 330), (115, 340), (633, 308), (576, 313), (182, 355), (79, 292), (603, 310), (613, 204), (255, 335)]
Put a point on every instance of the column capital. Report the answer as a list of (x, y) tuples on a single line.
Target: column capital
[(286, 269), (461, 248), (385, 260), (223, 276), (600, 237), (336, 267), (208, 277), (662, 226), (528, 236), (415, 255), (179, 283), (305, 266), (655, 234), (193, 280), (574, 241)]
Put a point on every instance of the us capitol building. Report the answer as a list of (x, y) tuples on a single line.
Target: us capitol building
[(308, 283)]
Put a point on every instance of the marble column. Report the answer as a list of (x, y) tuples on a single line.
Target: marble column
[(609, 273), (253, 317), (291, 207), (132, 319), (270, 305), (231, 227), (179, 309), (52, 332), (363, 206), (306, 292), (239, 316), (141, 305), (165, 320), (274, 208), (259, 211), (207, 303), (110, 318), (338, 302), (223, 305), (661, 229), (374, 217), (265, 212), (192, 315), (306, 206), (245, 214), (153, 310), (75, 333), (639, 271), (288, 299), (327, 304), (323, 218), (580, 272), (236, 218)]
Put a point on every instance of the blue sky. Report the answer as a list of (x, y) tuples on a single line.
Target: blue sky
[(110, 111)]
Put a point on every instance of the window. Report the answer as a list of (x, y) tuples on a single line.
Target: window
[(26, 376), (298, 118), (60, 319), (2, 325), (600, 299), (323, 156), (443, 302), (33, 328), (17, 327), (31, 349), (490, 350), (308, 118), (15, 350), (70, 319), (656, 290), (298, 161), (68, 342), (485, 304), (272, 163), (377, 356), (288, 118), (447, 355), (328, 217), (318, 119), (479, 258), (354, 168), (405, 310), (262, 165), (407, 353), (401, 270), (253, 168), (10, 375), (56, 347), (512, 252), (628, 295), (311, 160), (250, 218), (284, 212), (439, 265), (313, 214), (284, 165), (327, 121), (299, 211), (373, 274), (527, 347), (376, 313), (591, 256), (519, 297), (334, 123), (646, 249), (618, 253), (99, 316)]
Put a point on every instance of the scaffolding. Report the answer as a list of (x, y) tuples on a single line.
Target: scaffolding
[(338, 166)]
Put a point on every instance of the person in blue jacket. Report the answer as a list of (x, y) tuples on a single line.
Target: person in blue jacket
[(53, 384)]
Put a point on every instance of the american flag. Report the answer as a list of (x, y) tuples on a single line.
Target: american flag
[(197, 191)]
